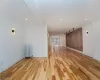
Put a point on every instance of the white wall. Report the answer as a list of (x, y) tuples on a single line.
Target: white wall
[(91, 43), (12, 15), (11, 46), (36, 36)]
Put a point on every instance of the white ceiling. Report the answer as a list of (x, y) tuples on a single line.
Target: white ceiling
[(17, 11), (49, 12), (72, 13)]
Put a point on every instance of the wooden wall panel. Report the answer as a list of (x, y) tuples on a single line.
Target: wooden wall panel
[(74, 39)]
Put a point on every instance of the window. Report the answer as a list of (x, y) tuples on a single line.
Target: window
[(55, 40)]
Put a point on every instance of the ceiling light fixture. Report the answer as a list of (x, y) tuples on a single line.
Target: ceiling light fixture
[(85, 19), (60, 19), (26, 19)]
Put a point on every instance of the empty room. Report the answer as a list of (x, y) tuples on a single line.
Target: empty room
[(49, 39)]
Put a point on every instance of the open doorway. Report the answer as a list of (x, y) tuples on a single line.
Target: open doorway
[(55, 40)]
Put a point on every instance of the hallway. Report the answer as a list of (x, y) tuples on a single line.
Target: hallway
[(28, 29), (62, 64)]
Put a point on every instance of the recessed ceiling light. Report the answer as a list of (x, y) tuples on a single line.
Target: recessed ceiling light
[(85, 18), (26, 19), (61, 19)]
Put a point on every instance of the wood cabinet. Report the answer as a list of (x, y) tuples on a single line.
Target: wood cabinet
[(74, 39)]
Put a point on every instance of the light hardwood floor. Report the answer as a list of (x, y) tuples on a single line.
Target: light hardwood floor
[(62, 64)]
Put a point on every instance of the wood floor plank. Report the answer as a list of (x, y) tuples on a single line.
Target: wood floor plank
[(61, 64)]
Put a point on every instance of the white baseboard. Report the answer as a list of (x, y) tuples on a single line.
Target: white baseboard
[(75, 50)]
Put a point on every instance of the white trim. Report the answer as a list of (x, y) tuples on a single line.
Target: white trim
[(75, 50), (81, 52)]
